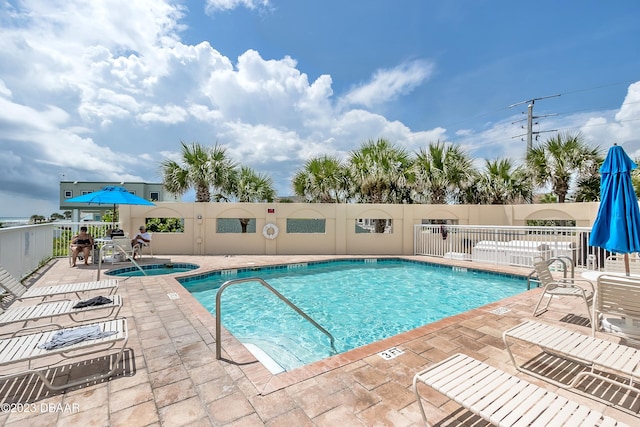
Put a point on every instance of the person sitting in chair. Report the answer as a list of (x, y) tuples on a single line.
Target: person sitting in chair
[(81, 242), (140, 239)]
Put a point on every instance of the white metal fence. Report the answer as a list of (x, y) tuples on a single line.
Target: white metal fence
[(509, 245), (64, 231), (24, 248)]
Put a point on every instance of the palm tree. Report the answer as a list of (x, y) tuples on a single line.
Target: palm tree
[(443, 173), (202, 168), (37, 219), (322, 179), (381, 173), (635, 177), (588, 182), (558, 159), (246, 185), (501, 183)]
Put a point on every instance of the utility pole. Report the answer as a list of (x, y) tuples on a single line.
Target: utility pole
[(530, 118)]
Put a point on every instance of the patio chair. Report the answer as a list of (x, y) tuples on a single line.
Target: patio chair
[(120, 248), (617, 305), (49, 310), (20, 292), (93, 253), (140, 248), (560, 287), (503, 399), (22, 355), (616, 264)]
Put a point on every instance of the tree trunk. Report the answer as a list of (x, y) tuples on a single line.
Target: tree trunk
[(244, 222)]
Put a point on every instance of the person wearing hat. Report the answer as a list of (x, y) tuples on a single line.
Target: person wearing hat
[(142, 238)]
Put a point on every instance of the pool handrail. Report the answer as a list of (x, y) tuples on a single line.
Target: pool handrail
[(117, 248), (276, 293)]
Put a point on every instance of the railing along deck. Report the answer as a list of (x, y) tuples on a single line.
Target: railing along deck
[(508, 245)]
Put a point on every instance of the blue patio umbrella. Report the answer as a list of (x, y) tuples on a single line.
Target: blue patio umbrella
[(111, 195), (617, 226)]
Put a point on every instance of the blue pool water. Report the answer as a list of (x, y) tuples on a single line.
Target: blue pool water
[(357, 301), (153, 269)]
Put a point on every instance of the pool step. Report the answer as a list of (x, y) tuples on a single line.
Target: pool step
[(264, 358)]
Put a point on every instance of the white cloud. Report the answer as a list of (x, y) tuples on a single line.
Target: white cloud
[(169, 114), (105, 93), (390, 83), (4, 90), (213, 6)]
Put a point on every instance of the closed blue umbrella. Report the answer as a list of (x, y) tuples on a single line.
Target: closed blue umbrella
[(617, 226)]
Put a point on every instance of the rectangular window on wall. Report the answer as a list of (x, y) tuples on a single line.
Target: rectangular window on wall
[(306, 225), (164, 225), (154, 196), (236, 225), (68, 194), (374, 225)]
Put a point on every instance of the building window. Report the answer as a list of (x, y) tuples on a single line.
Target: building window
[(68, 194), (154, 196)]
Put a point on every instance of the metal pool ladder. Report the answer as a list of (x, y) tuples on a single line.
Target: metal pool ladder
[(126, 255), (276, 293)]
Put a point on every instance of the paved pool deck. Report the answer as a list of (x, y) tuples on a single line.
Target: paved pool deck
[(170, 375)]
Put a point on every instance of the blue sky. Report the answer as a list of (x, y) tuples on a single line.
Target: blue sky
[(104, 91)]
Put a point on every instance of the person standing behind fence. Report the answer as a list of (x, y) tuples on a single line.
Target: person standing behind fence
[(140, 239)]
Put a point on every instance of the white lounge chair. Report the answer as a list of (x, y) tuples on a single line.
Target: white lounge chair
[(21, 355), (617, 305), (560, 287), (48, 310), (20, 292), (595, 353), (502, 399)]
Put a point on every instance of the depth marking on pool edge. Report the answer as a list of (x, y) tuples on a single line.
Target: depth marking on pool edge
[(173, 295), (391, 353), (500, 310)]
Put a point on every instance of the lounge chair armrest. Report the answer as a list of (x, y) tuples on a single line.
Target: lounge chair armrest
[(52, 301), (39, 328), (578, 281)]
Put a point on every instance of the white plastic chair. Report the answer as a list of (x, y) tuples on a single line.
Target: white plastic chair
[(560, 287)]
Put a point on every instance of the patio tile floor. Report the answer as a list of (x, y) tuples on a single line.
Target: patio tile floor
[(170, 375)]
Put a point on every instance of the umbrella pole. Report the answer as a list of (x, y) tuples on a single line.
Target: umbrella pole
[(626, 264)]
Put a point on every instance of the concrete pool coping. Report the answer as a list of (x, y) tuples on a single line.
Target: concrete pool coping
[(176, 379)]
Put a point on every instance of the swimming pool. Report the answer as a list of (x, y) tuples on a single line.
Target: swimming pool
[(153, 269), (357, 301)]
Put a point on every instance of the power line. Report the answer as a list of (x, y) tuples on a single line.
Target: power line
[(480, 115), (531, 117)]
